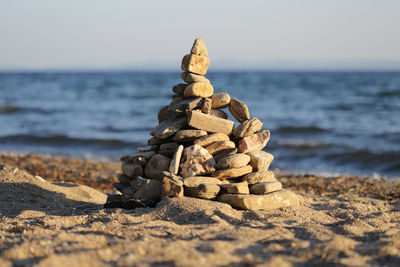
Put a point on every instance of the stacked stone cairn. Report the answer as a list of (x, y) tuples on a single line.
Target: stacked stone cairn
[(197, 152)]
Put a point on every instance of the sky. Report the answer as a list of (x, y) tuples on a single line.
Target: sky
[(104, 34)]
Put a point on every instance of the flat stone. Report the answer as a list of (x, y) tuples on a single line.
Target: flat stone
[(201, 89), (237, 188), (195, 64), (176, 178), (199, 48), (224, 153), (260, 160), (156, 165), (148, 148), (124, 179), (176, 99), (154, 141), (233, 161), (219, 113), (205, 191), (180, 108), (254, 142), (193, 78), (170, 188), (239, 110), (162, 115), (168, 152), (168, 128), (209, 123), (138, 157), (260, 177), (275, 200), (232, 173), (131, 169), (169, 146), (145, 189), (247, 128), (198, 180), (265, 188), (196, 161), (120, 186), (219, 146), (220, 100), (179, 88), (206, 107), (175, 161), (209, 139), (189, 135)]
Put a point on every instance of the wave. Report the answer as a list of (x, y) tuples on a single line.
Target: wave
[(10, 109), (300, 129), (301, 145)]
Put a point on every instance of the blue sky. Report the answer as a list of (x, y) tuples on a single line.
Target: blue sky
[(99, 34)]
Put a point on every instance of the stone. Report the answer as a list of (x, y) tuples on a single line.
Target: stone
[(232, 173), (179, 88), (275, 200), (189, 135), (199, 48), (138, 157), (131, 169), (247, 128), (220, 100), (169, 146), (198, 180), (219, 113), (170, 188), (239, 110), (196, 161), (206, 107), (156, 165), (193, 78), (233, 161), (201, 89), (224, 153), (176, 178), (154, 141), (120, 186), (195, 64), (168, 152), (148, 148), (146, 189), (162, 115), (206, 191), (180, 108), (209, 123), (217, 147), (259, 177), (265, 188), (209, 139), (236, 188), (124, 179), (168, 128), (176, 99), (260, 160), (175, 161), (254, 142)]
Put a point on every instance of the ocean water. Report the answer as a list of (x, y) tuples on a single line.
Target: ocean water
[(320, 122)]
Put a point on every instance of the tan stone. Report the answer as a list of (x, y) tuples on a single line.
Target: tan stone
[(168, 128), (206, 107), (131, 169), (206, 191), (189, 135), (175, 161), (224, 153), (220, 100), (265, 188), (195, 64), (193, 78), (179, 88), (236, 188), (199, 48), (195, 181), (217, 147), (233, 161), (196, 161), (209, 123), (259, 177), (254, 142), (170, 188), (275, 200), (202, 89), (156, 165), (232, 173), (219, 113), (209, 139), (239, 110), (260, 160), (247, 128)]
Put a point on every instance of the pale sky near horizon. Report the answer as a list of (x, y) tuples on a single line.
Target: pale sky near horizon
[(46, 34)]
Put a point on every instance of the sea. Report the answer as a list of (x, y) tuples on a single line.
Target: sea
[(325, 123)]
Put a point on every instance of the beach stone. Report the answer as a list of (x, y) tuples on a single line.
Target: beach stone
[(131, 169), (212, 138), (179, 88), (138, 157), (239, 110), (162, 115), (247, 128), (124, 179), (188, 135), (120, 186), (275, 200), (193, 78), (224, 153), (233, 161), (176, 178), (196, 161), (265, 188), (146, 189), (236, 188), (148, 148), (260, 160), (209, 123), (201, 89), (175, 161), (254, 142), (180, 108), (168, 153), (169, 146), (175, 100), (199, 48), (219, 146), (220, 100), (170, 188), (219, 113), (198, 180), (154, 141), (156, 165), (232, 173), (205, 191), (195, 64), (260, 177), (206, 107), (168, 128)]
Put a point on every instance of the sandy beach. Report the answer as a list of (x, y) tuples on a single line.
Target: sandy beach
[(349, 221)]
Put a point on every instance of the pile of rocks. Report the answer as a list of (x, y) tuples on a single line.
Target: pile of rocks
[(196, 151)]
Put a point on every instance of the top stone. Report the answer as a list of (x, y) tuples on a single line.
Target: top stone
[(199, 48)]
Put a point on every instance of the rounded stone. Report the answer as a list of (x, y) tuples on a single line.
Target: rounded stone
[(233, 161)]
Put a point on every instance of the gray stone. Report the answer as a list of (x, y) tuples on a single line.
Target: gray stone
[(169, 146), (156, 165), (205, 191), (179, 88), (196, 161), (233, 161), (138, 157), (144, 189), (162, 115), (168, 128), (132, 169), (247, 128)]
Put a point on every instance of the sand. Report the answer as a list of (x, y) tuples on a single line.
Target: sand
[(345, 221)]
